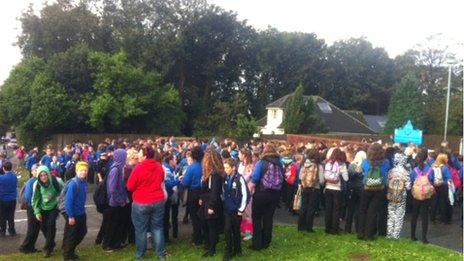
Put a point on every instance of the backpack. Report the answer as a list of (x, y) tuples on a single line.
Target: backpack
[(438, 176), (100, 196), (309, 174), (291, 178), (422, 188), (374, 179), (332, 172), (62, 197), (455, 177), (273, 177), (396, 187), (22, 198)]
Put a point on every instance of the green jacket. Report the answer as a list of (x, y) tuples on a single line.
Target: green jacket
[(45, 196)]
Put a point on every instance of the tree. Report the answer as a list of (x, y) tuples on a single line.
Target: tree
[(407, 103), (312, 123), (294, 116), (246, 127), (359, 76), (35, 104), (126, 98)]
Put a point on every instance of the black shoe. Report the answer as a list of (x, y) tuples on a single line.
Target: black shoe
[(254, 248), (98, 241), (209, 253), (425, 241), (12, 233), (47, 254), (413, 238), (310, 230), (28, 251), (185, 220)]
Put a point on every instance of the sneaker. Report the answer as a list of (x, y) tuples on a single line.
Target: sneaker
[(247, 237)]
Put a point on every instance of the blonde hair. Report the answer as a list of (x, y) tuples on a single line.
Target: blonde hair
[(132, 154), (442, 159), (359, 157)]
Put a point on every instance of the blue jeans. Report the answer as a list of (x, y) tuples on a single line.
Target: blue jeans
[(144, 217)]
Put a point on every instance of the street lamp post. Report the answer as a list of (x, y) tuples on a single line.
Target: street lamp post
[(447, 102)]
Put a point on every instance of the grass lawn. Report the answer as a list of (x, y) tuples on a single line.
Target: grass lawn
[(287, 244)]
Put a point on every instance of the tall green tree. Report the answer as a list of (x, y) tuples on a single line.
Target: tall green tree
[(126, 98), (294, 115), (407, 103), (35, 104)]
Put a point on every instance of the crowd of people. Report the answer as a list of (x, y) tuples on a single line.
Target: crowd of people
[(227, 188)]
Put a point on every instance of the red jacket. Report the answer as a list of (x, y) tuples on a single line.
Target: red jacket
[(147, 183)]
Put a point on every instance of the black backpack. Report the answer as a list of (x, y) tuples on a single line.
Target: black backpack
[(100, 196)]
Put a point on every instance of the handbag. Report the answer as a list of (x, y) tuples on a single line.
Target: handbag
[(297, 199)]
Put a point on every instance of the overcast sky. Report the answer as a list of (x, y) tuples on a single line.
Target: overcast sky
[(396, 25)]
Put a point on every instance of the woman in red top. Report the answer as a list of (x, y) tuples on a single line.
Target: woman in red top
[(148, 195)]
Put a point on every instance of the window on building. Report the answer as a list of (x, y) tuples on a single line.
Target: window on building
[(274, 114), (324, 107), (382, 123)]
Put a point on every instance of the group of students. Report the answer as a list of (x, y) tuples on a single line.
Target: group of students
[(229, 190), (373, 188)]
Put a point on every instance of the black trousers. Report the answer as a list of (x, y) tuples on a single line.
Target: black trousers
[(309, 198), (440, 203), (368, 211), (232, 234), (128, 232), (73, 235), (171, 211), (291, 190), (113, 230), (352, 209), (210, 226), (33, 229), (423, 208), (383, 215), (333, 200), (7, 211), (48, 227), (263, 208), (101, 232), (193, 206)]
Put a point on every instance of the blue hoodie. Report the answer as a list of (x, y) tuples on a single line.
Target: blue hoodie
[(384, 168), (75, 197), (117, 193), (28, 190), (8, 187), (192, 177), (413, 174), (170, 180), (46, 161), (31, 161)]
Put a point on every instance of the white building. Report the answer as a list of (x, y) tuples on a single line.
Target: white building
[(334, 119)]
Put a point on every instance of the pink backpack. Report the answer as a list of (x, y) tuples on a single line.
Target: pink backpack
[(455, 177)]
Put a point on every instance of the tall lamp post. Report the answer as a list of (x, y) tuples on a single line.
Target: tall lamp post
[(447, 102)]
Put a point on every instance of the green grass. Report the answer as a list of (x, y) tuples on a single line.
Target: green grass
[(287, 244)]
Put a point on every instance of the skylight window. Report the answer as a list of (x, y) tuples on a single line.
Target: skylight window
[(324, 107)]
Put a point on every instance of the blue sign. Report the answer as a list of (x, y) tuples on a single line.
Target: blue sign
[(408, 134)]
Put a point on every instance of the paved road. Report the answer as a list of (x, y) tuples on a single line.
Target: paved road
[(449, 236)]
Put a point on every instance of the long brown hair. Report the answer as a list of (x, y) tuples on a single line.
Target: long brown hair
[(212, 163), (375, 154)]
